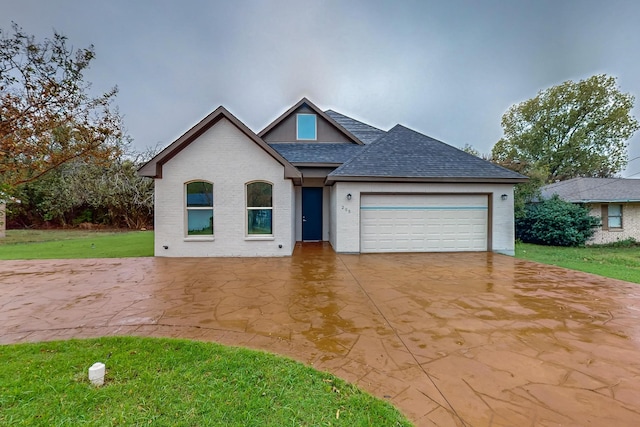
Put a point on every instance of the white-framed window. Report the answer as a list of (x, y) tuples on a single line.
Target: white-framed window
[(611, 216), (614, 216), (259, 208), (306, 127), (199, 208)]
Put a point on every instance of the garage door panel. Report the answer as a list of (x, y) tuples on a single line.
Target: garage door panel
[(423, 223)]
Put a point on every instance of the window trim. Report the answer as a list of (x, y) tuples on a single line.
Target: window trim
[(315, 127), (198, 237), (605, 217), (247, 208)]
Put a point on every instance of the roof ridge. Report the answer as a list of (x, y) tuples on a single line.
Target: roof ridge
[(355, 120), (364, 131)]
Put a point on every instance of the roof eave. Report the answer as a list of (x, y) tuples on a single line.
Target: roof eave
[(316, 164), (474, 180), (603, 200)]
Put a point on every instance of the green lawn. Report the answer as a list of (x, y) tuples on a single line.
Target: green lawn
[(58, 244), (617, 263), (152, 381)]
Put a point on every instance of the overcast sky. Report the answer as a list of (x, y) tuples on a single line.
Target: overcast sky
[(449, 69)]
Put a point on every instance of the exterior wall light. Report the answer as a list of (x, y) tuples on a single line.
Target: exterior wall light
[(504, 197), (349, 196)]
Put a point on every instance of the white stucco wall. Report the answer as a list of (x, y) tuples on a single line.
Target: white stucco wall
[(226, 157), (345, 215), (630, 225)]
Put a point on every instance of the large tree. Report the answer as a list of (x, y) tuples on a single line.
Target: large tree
[(83, 192), (570, 130), (47, 115)]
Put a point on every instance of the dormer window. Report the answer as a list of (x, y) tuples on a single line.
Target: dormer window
[(306, 127)]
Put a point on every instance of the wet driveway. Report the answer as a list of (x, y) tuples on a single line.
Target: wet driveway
[(451, 339)]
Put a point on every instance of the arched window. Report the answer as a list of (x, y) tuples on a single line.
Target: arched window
[(259, 208), (199, 204)]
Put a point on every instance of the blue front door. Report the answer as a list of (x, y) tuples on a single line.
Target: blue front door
[(312, 213)]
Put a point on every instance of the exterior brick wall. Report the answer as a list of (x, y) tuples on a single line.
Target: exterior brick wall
[(226, 157), (345, 214), (229, 159), (630, 224)]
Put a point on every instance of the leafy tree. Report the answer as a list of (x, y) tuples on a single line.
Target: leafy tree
[(85, 192), (525, 192), (47, 116), (126, 196), (570, 130), (470, 149), (554, 222)]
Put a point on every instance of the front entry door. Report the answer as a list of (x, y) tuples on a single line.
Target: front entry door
[(312, 213)]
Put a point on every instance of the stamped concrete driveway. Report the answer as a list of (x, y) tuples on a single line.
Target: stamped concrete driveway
[(452, 339)]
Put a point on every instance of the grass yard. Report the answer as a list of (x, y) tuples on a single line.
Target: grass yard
[(617, 263), (151, 381), (59, 244)]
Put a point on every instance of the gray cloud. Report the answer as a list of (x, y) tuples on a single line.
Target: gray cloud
[(448, 69)]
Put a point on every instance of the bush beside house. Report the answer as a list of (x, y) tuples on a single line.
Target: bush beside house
[(555, 222)]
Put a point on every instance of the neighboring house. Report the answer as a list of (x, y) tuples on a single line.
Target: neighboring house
[(313, 175), (615, 200)]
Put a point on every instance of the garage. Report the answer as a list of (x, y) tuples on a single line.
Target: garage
[(424, 222)]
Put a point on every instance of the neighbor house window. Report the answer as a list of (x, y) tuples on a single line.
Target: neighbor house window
[(611, 217), (259, 208), (306, 126), (199, 208)]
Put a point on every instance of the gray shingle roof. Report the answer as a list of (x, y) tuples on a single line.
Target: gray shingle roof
[(364, 132), (305, 152), (585, 190), (405, 153)]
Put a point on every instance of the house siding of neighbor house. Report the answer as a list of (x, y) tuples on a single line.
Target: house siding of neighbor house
[(227, 158), (332, 178), (630, 224)]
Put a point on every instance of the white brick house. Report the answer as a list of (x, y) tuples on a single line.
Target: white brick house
[(223, 190)]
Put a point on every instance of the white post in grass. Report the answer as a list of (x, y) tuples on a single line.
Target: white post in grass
[(96, 374)]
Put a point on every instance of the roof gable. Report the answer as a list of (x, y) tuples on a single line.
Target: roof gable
[(404, 154), (153, 168), (589, 190), (304, 105)]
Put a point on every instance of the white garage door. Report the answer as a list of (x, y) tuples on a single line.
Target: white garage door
[(423, 223)]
